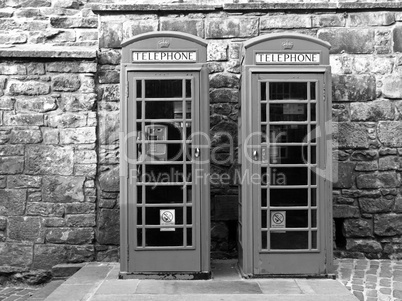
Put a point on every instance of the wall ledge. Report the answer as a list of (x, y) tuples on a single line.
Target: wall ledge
[(254, 6), (47, 51)]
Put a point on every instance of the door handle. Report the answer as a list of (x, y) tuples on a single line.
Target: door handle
[(255, 155), (197, 153)]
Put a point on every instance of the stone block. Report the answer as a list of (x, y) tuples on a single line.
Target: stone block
[(11, 150), (12, 202), (397, 35), (16, 255), (109, 57), (372, 111), (81, 220), (371, 19), (87, 35), (109, 127), (111, 34), (54, 222), (88, 170), (6, 103), (60, 189), (67, 120), (12, 119), (358, 41), (25, 136), (340, 112), (386, 133), (378, 180), (191, 26), (367, 166), (214, 67), (392, 86), (345, 176), (388, 224), (3, 181), (77, 102), (389, 163), (25, 228), (45, 209), (3, 223), (66, 83), (109, 227), (107, 203), (11, 165), (217, 50), (78, 135), (72, 67), (363, 245), (40, 104), (285, 21), (109, 76), (85, 156), (71, 236), (350, 135), (110, 93), (24, 181), (50, 136), (328, 20), (353, 87), (80, 208), (15, 38), (373, 64), (48, 255), (224, 95), (364, 155), (71, 22), (109, 154), (109, 180), (30, 88), (132, 28), (35, 68), (398, 204), (224, 80), (346, 211), (235, 27), (358, 228), (12, 69), (380, 205), (46, 159)]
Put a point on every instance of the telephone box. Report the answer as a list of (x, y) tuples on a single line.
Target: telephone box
[(164, 157), (285, 200)]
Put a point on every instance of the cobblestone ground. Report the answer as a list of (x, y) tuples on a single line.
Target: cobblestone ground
[(371, 280), (17, 293)]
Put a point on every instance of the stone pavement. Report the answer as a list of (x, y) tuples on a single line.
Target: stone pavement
[(371, 280), (368, 280)]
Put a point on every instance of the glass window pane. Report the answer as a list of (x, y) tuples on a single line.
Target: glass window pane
[(188, 88), (287, 90), (288, 133), (288, 197), (139, 237), (264, 176), (189, 215), (153, 217), (163, 174), (263, 197), (139, 216), (139, 109), (289, 176), (314, 240), (313, 218), (158, 238), (263, 112), (160, 109), (165, 88), (288, 154), (263, 218), (189, 194), (312, 112), (296, 218), (288, 112), (264, 237), (313, 197), (189, 237), (139, 88), (139, 194), (164, 194), (289, 240), (263, 91), (312, 90)]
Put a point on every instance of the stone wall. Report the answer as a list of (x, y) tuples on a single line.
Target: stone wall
[(59, 120)]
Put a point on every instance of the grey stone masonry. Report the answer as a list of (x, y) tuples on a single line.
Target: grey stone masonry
[(60, 106)]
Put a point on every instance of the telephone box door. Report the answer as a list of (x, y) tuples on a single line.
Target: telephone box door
[(288, 216), (163, 192)]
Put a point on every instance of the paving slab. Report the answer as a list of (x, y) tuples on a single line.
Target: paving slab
[(99, 282)]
